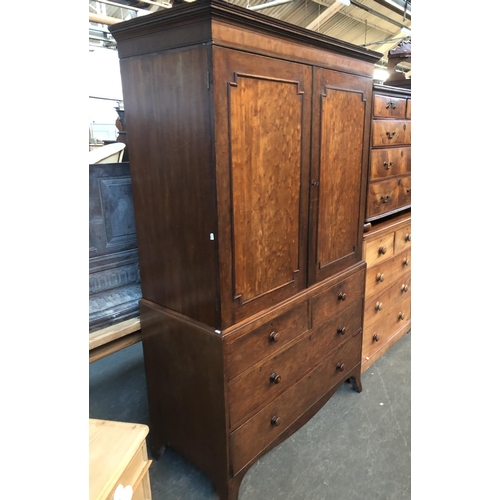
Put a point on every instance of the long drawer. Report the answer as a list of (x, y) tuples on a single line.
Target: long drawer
[(268, 379), (386, 196), (391, 132), (377, 333), (264, 427), (378, 303), (378, 277), (390, 162)]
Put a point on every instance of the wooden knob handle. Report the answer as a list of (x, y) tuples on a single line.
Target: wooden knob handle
[(404, 288), (340, 367), (380, 277), (275, 378), (342, 296), (378, 306), (408, 237), (382, 250), (376, 337), (341, 330), (401, 315), (274, 337), (276, 421)]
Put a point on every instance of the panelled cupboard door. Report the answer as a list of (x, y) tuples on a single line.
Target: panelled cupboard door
[(262, 113), (341, 104)]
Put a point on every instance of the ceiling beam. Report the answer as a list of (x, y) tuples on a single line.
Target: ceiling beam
[(95, 18), (325, 15)]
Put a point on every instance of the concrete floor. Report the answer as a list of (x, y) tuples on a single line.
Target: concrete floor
[(356, 447)]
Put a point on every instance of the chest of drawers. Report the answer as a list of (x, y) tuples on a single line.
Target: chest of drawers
[(389, 184), (387, 309)]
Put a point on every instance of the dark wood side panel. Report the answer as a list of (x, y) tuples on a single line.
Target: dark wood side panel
[(184, 373), (169, 138), (262, 117), (339, 170)]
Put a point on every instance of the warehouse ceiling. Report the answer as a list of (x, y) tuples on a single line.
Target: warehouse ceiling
[(378, 25)]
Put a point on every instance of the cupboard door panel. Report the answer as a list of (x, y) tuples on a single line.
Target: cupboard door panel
[(265, 131), (340, 105)]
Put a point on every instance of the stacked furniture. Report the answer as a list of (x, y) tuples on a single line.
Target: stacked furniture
[(248, 144), (387, 242)]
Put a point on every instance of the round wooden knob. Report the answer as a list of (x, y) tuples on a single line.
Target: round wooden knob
[(276, 421), (401, 315), (404, 288), (274, 337), (275, 378), (378, 306), (380, 277), (408, 237), (342, 296), (376, 337), (406, 262), (341, 330), (340, 367), (382, 250)]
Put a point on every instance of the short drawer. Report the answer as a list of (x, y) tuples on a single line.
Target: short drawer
[(380, 249), (405, 191), (262, 429), (408, 109), (382, 197), (249, 348), (377, 304), (380, 276), (337, 298), (402, 238), (389, 107), (254, 388), (391, 132), (379, 332), (389, 162)]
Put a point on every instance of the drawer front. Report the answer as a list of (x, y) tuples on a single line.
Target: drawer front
[(376, 334), (376, 305), (337, 298), (135, 469), (408, 109), (391, 132), (253, 389), (382, 197), (246, 350), (402, 238), (380, 249), (389, 107), (380, 276), (389, 162), (261, 430)]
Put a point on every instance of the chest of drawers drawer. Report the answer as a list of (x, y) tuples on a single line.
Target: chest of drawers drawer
[(389, 107), (259, 342), (379, 332), (337, 298), (379, 276), (267, 425), (269, 378), (391, 132), (386, 196), (386, 297), (390, 162)]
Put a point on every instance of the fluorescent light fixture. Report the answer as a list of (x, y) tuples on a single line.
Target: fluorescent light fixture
[(406, 31), (273, 3), (394, 4), (380, 74), (344, 2)]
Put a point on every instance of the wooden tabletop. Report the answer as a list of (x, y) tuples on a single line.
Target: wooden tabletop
[(111, 447)]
